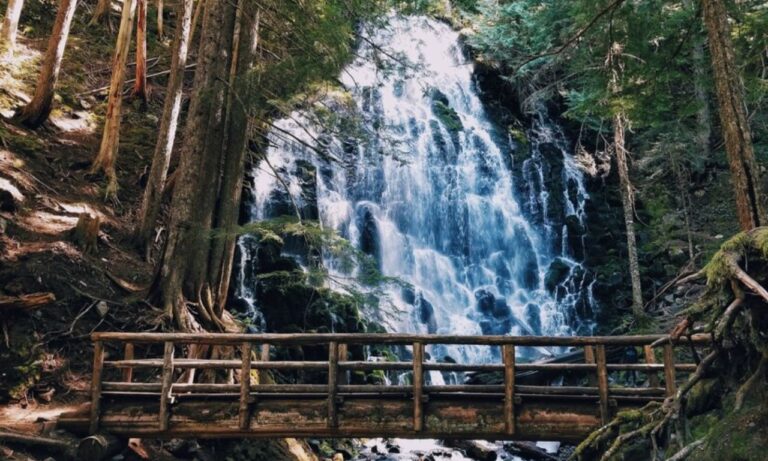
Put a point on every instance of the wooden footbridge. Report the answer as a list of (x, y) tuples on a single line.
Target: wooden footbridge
[(146, 385)]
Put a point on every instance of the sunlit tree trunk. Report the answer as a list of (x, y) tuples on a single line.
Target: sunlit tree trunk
[(105, 160), (140, 84), (166, 136), (160, 12), (745, 173), (10, 27), (36, 112)]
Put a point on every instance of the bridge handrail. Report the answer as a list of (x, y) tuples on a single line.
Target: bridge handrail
[(392, 338)]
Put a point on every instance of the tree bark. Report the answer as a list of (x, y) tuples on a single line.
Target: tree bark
[(223, 249), (614, 64), (101, 12), (745, 173), (184, 264), (196, 18), (140, 81), (211, 137), (160, 12), (105, 160), (628, 205), (10, 27), (37, 111), (158, 173)]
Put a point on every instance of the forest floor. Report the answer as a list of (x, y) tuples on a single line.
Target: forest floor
[(45, 186)]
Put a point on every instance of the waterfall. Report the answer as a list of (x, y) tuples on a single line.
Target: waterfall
[(485, 229)]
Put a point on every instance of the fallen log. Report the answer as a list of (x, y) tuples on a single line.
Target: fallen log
[(26, 302), (62, 447), (473, 449), (528, 450)]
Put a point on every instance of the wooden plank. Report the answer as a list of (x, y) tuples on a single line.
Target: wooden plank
[(602, 383), (418, 386), (245, 386), (128, 355), (167, 384), (98, 364), (389, 338), (333, 372), (459, 417), (669, 370), (650, 359), (509, 388)]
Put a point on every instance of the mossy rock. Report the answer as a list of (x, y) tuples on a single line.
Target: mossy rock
[(442, 109)]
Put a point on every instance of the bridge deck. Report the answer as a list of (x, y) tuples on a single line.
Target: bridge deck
[(159, 395)]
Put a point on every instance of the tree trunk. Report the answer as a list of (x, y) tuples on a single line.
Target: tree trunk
[(628, 205), (39, 108), (745, 173), (140, 83), (160, 12), (105, 160), (150, 205), (101, 12), (223, 249), (703, 117), (212, 157), (196, 19), (615, 67), (210, 143), (10, 26)]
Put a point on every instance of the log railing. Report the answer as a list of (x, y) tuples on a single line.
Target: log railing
[(238, 372)]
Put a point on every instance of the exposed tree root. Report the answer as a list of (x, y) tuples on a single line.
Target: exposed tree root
[(724, 304), (686, 451)]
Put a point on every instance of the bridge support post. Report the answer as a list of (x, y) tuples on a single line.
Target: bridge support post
[(589, 357), (128, 355), (245, 387), (98, 366), (333, 373), (602, 383), (669, 369), (509, 388), (343, 357), (650, 359), (418, 386), (167, 383)]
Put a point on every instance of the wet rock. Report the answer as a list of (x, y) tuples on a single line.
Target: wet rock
[(486, 302), (533, 317), (426, 314), (369, 232), (500, 309), (556, 274)]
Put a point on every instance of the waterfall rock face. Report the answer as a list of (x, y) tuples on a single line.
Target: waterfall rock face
[(485, 229)]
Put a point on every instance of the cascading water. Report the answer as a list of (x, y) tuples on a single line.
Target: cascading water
[(487, 230), (430, 193)]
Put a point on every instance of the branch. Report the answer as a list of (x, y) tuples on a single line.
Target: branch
[(573, 39), (26, 302), (744, 278)]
